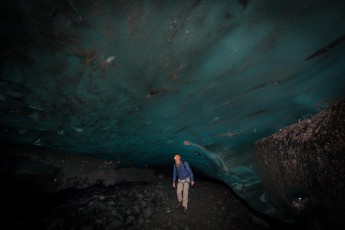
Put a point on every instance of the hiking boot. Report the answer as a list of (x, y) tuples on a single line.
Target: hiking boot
[(179, 205)]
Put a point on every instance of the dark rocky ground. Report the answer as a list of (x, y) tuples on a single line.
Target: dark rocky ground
[(134, 205), (41, 189)]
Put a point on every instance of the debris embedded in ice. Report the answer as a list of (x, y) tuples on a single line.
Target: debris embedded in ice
[(197, 153), (37, 142), (36, 108), (88, 56), (79, 130), (173, 24), (78, 16), (108, 63), (22, 131), (60, 132), (186, 143), (232, 133), (213, 158), (263, 197), (239, 188), (34, 116)]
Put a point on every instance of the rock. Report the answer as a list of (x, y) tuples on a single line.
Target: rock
[(140, 221), (130, 219), (116, 214), (140, 196), (87, 227), (232, 216), (116, 224), (160, 176), (143, 204), (136, 210), (147, 212), (138, 224), (153, 196), (111, 203), (160, 194)]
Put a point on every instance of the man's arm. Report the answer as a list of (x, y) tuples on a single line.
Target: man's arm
[(174, 176), (189, 170)]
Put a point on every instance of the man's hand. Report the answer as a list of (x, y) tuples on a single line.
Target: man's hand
[(174, 185), (192, 183)]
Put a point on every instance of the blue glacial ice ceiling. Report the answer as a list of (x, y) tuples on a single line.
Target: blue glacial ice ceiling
[(139, 81)]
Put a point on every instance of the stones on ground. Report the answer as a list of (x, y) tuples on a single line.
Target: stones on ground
[(147, 212), (136, 210), (160, 176), (140, 221), (143, 204), (139, 207), (130, 219), (232, 216), (140, 196), (116, 224)]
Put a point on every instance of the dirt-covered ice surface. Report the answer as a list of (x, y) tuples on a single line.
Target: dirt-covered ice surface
[(135, 205), (45, 190)]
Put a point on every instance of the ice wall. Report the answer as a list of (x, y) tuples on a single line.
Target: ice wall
[(139, 81)]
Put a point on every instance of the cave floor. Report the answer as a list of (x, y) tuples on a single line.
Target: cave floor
[(138, 205)]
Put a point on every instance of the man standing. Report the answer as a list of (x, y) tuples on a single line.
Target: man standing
[(183, 172)]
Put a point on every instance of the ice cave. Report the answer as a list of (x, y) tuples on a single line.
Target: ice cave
[(250, 93)]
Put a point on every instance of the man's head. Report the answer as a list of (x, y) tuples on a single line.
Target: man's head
[(177, 159)]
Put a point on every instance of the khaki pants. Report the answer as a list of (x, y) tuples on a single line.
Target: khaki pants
[(182, 188)]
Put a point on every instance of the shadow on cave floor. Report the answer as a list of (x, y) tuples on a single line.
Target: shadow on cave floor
[(131, 206)]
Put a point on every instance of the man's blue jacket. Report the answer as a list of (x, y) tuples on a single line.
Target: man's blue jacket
[(183, 172)]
